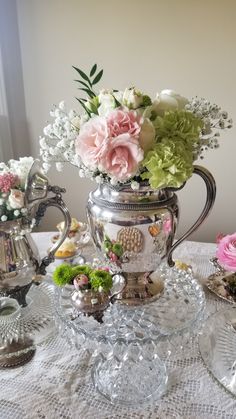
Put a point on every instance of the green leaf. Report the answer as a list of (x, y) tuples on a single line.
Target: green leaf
[(88, 91), (93, 70), (82, 74), (98, 77), (83, 83), (83, 105)]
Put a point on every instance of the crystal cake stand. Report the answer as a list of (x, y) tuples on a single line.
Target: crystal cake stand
[(133, 342), (29, 326), (217, 344)]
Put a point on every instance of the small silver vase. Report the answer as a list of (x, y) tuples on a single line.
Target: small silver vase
[(135, 230)]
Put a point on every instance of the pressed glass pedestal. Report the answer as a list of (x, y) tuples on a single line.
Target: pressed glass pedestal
[(22, 329), (133, 343)]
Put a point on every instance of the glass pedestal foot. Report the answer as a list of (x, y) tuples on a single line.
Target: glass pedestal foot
[(134, 377)]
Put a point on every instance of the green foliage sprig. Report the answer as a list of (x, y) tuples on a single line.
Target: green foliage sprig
[(87, 82)]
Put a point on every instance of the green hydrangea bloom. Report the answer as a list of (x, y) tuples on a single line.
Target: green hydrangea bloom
[(179, 126), (169, 164), (99, 278)]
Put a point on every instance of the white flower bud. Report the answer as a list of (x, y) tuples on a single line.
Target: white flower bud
[(98, 179), (16, 213), (3, 218), (135, 185), (47, 130), (81, 173), (46, 166), (62, 105), (113, 181), (59, 166)]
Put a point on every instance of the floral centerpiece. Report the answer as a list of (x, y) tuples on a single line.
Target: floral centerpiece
[(126, 137), (12, 188)]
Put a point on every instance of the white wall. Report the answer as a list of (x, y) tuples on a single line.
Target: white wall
[(14, 135), (186, 45)]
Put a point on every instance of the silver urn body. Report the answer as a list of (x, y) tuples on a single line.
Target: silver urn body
[(135, 230)]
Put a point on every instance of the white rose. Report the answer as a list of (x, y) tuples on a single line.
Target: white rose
[(16, 199), (147, 135), (106, 101), (168, 100), (132, 98)]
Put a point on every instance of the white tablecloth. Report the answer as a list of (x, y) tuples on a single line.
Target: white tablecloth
[(56, 383)]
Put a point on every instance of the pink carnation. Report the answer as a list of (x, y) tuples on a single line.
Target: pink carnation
[(121, 122), (226, 252), (122, 157), (8, 181), (91, 141)]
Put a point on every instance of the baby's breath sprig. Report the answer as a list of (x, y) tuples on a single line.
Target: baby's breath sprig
[(214, 119)]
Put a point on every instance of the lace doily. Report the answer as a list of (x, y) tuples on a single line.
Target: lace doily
[(57, 382)]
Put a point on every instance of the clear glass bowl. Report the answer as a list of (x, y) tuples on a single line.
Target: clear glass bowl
[(130, 368)]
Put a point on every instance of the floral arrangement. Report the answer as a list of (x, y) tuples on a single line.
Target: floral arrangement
[(127, 137), (12, 188), (83, 277), (226, 251)]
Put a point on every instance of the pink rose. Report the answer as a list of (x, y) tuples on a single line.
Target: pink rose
[(122, 157), (80, 281), (226, 252), (91, 141), (121, 122)]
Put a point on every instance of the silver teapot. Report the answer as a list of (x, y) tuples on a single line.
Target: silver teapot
[(20, 263), (93, 303), (135, 230)]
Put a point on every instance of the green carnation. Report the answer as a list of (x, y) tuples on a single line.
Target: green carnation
[(63, 275), (179, 126), (99, 278), (81, 269), (169, 164)]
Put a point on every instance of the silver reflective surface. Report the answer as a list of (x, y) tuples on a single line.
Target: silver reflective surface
[(134, 230), (19, 258)]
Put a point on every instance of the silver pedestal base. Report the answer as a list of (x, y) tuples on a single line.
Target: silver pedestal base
[(140, 289)]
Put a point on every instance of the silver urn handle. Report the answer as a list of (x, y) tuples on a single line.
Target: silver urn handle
[(55, 201), (210, 199)]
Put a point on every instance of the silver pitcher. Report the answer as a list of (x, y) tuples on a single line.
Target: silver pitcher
[(20, 263), (134, 231)]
